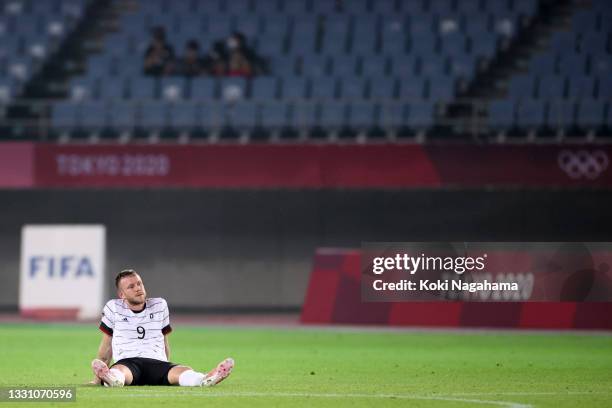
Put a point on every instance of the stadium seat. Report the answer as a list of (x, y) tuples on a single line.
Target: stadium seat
[(264, 88), (501, 114), (352, 88), (275, 115)]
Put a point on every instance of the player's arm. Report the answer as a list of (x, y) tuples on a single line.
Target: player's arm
[(167, 346), (105, 353)]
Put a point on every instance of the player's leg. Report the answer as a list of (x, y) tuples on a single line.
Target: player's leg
[(117, 376), (185, 376)]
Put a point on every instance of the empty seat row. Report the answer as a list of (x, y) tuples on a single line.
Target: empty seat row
[(555, 87), (122, 116), (387, 7), (266, 88), (533, 113)]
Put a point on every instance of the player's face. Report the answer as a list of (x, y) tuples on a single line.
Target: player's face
[(132, 290)]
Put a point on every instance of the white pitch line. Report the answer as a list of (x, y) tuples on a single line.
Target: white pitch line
[(506, 404)]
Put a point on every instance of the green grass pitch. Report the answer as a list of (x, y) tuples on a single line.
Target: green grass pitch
[(330, 368)]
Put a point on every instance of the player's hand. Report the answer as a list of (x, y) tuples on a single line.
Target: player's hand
[(95, 381)]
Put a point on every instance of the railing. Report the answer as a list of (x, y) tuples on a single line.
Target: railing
[(411, 120)]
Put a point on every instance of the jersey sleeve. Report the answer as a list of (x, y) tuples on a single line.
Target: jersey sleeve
[(166, 328), (107, 323)]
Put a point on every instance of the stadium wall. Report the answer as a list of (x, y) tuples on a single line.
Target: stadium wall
[(252, 249)]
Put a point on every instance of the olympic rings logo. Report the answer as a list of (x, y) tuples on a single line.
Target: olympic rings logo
[(583, 164)]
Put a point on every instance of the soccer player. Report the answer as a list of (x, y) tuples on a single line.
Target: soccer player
[(135, 334)]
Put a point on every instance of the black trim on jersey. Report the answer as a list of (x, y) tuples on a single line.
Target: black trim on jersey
[(106, 329), (166, 330)]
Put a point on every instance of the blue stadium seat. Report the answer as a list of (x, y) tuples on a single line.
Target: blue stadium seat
[(484, 46), (231, 89), (421, 115), (601, 64), (211, 116), (383, 88), (304, 115), (315, 65), (64, 115), (334, 43), (242, 115), (572, 64), (203, 89), (581, 87), (240, 7), (121, 115), (563, 41), (374, 66), (462, 66), (182, 115), (543, 64), (295, 7), (604, 87), (530, 114), (283, 66), (501, 114), (385, 7), (332, 115), (270, 44), (403, 65), (112, 89), (344, 65), (391, 115), (266, 7), (294, 88), (433, 66), (274, 115), (352, 88), (153, 115), (83, 88), (220, 27), (454, 44), (173, 88), (521, 86), (142, 88), (361, 115), (323, 88), (441, 88), (560, 114), (551, 87), (264, 88), (412, 88), (93, 115), (590, 113)]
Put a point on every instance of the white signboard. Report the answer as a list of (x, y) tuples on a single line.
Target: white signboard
[(62, 268)]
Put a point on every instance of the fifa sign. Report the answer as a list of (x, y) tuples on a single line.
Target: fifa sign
[(62, 270)]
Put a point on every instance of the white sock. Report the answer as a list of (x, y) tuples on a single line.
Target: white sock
[(118, 375), (191, 378)]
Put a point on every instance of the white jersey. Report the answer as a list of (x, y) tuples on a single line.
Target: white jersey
[(137, 334)]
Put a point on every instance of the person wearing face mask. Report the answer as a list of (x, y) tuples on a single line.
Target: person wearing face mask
[(238, 63), (215, 62)]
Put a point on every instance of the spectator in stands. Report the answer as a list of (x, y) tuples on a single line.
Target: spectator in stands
[(215, 62), (191, 64), (239, 63), (159, 56), (237, 41)]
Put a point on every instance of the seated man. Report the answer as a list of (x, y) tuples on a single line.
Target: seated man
[(136, 336)]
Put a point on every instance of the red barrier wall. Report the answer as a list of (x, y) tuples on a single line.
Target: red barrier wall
[(307, 166), (16, 165), (334, 296)]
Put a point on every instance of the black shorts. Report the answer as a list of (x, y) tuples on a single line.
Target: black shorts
[(147, 371)]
